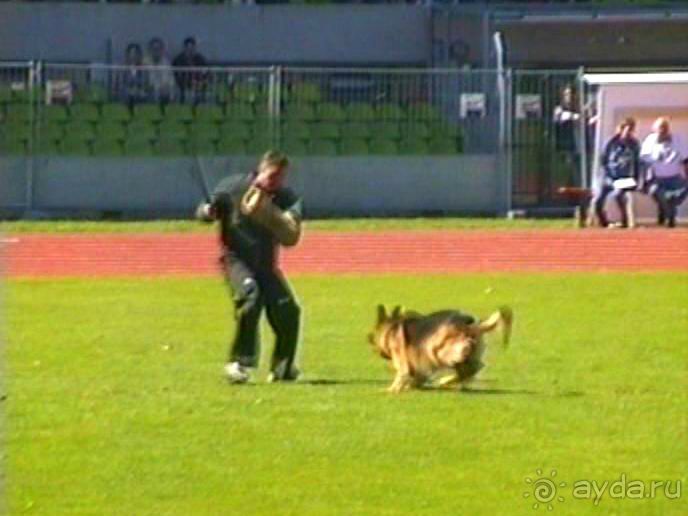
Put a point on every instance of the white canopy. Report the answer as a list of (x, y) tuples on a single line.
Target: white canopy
[(637, 78)]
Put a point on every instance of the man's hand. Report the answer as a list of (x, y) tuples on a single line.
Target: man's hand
[(205, 212)]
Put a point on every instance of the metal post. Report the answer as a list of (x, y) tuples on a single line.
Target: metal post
[(582, 128), (34, 94)]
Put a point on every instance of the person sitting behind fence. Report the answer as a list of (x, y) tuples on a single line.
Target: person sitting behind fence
[(620, 171), (160, 76), (191, 83), (133, 80), (667, 158)]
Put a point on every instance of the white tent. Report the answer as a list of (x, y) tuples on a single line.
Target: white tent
[(645, 97)]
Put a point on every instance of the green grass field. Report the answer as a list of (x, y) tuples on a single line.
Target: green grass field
[(116, 404), (362, 224)]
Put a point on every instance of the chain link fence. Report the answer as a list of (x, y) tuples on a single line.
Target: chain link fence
[(548, 148), (148, 111)]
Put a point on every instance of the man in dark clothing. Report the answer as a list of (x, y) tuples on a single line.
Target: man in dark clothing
[(192, 82), (621, 170), (257, 214)]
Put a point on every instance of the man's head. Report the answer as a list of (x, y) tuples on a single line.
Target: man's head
[(190, 46), (156, 49), (626, 128), (662, 128), (567, 95), (272, 171)]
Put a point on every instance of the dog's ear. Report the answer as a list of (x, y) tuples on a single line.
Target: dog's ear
[(381, 313), (397, 312)]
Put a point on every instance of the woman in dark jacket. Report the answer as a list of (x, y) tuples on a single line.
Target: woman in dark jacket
[(621, 170)]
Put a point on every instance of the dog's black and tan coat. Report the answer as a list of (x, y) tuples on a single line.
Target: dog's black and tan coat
[(420, 345)]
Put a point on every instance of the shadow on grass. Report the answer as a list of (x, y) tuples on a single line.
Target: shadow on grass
[(353, 381), (476, 391)]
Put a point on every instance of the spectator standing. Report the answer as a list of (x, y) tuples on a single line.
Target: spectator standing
[(160, 76), (133, 80), (667, 158), (191, 83), (566, 118)]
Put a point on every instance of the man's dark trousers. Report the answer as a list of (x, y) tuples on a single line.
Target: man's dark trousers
[(251, 291)]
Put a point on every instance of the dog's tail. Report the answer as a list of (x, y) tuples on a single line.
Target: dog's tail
[(503, 317)]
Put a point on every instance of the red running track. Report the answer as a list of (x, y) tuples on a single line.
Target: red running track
[(435, 251)]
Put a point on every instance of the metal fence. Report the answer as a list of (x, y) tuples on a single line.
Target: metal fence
[(113, 111)]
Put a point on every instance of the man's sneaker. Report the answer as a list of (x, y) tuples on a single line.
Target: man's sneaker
[(291, 376), (236, 373)]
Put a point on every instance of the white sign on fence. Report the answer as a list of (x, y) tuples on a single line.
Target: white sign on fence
[(528, 106), (473, 105)]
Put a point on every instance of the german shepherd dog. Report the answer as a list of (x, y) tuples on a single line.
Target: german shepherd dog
[(421, 345)]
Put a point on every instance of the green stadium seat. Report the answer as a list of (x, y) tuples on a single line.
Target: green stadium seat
[(17, 129), (360, 112), (304, 92), (383, 147), (390, 112), (354, 130), (325, 130), (172, 129), (53, 113), (423, 111), (304, 112), (354, 146), (111, 130), (415, 131), (93, 93), (388, 130), (330, 112), (179, 112), (6, 95), (115, 112), (258, 145), (240, 111), (231, 146), (322, 148), (209, 113), (295, 129), (142, 130), (264, 126), (249, 93), (107, 147), (23, 96), (444, 146), (79, 130), (439, 131), (235, 130), (147, 112), (203, 147), (17, 112), (51, 131), (204, 131), (12, 146), (138, 147), (87, 112), (413, 147), (44, 147), (75, 145), (171, 146), (262, 110), (294, 146)]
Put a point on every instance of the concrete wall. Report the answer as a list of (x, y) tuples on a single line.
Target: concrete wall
[(357, 186), (226, 33)]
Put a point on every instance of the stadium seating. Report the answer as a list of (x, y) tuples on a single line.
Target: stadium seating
[(322, 148), (310, 122)]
